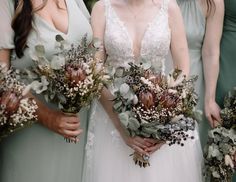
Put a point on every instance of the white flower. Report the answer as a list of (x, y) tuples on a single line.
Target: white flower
[(172, 91), (26, 90), (177, 118), (146, 81), (124, 89), (39, 87), (183, 95), (98, 68), (229, 161), (4, 67), (57, 62), (135, 100), (173, 83)]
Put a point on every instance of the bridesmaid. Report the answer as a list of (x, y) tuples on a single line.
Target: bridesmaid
[(39, 153), (227, 63), (203, 24)]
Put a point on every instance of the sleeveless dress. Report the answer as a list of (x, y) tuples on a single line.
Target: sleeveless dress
[(227, 79), (107, 156), (195, 24), (37, 154)]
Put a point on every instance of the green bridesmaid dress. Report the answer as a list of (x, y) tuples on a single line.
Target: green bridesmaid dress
[(195, 22), (37, 154), (227, 77)]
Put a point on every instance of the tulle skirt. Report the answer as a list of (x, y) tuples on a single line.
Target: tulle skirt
[(107, 157)]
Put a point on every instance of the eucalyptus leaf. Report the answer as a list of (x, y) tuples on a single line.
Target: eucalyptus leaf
[(124, 89), (59, 38), (40, 50), (117, 105), (124, 118), (216, 174), (133, 124)]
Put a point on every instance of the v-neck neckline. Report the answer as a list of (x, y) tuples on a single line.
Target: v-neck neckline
[(148, 26), (52, 26)]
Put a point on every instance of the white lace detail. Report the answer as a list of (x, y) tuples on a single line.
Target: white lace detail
[(154, 46), (116, 138), (90, 135)]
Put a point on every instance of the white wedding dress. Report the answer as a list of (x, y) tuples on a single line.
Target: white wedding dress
[(107, 156)]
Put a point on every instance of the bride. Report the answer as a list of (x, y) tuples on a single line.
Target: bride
[(133, 30)]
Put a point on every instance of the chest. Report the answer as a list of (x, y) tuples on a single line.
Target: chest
[(44, 33), (136, 39), (55, 13)]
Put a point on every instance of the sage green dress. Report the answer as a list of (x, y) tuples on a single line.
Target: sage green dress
[(195, 23), (37, 154), (227, 76)]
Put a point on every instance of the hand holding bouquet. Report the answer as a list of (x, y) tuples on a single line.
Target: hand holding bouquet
[(220, 161), (155, 106), (16, 111), (71, 79)]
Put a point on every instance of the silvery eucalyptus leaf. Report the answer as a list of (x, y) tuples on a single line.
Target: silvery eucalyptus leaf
[(40, 51), (133, 124), (124, 89), (124, 118), (58, 62)]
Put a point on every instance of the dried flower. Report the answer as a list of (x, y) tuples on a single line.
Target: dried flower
[(16, 112), (155, 110)]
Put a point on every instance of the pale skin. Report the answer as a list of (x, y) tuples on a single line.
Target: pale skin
[(68, 126), (210, 56), (144, 10)]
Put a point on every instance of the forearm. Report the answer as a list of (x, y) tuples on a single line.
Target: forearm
[(107, 102), (211, 71)]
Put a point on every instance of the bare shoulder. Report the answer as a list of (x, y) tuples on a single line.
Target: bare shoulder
[(173, 8), (99, 7)]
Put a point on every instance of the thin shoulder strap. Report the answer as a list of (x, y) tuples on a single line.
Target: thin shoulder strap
[(165, 5), (107, 4)]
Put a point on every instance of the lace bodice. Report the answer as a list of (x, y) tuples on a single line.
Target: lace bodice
[(155, 43)]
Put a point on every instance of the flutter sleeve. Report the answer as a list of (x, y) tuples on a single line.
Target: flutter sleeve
[(83, 8), (6, 32)]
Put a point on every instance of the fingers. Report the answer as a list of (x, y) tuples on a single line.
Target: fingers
[(139, 150), (211, 122), (154, 148), (72, 119), (141, 142), (72, 126), (72, 134), (152, 141)]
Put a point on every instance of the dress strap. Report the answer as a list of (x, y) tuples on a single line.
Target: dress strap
[(107, 4), (165, 5)]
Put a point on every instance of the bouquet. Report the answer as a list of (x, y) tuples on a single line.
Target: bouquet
[(71, 79), (155, 106), (16, 112), (220, 151)]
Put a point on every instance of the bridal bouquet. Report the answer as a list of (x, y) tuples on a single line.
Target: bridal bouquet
[(16, 112), (220, 161), (155, 106), (71, 79)]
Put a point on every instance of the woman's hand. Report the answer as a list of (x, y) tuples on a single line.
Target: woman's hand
[(212, 111), (10, 102), (65, 125), (138, 144), (156, 145)]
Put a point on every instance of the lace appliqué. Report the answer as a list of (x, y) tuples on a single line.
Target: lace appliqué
[(154, 46)]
